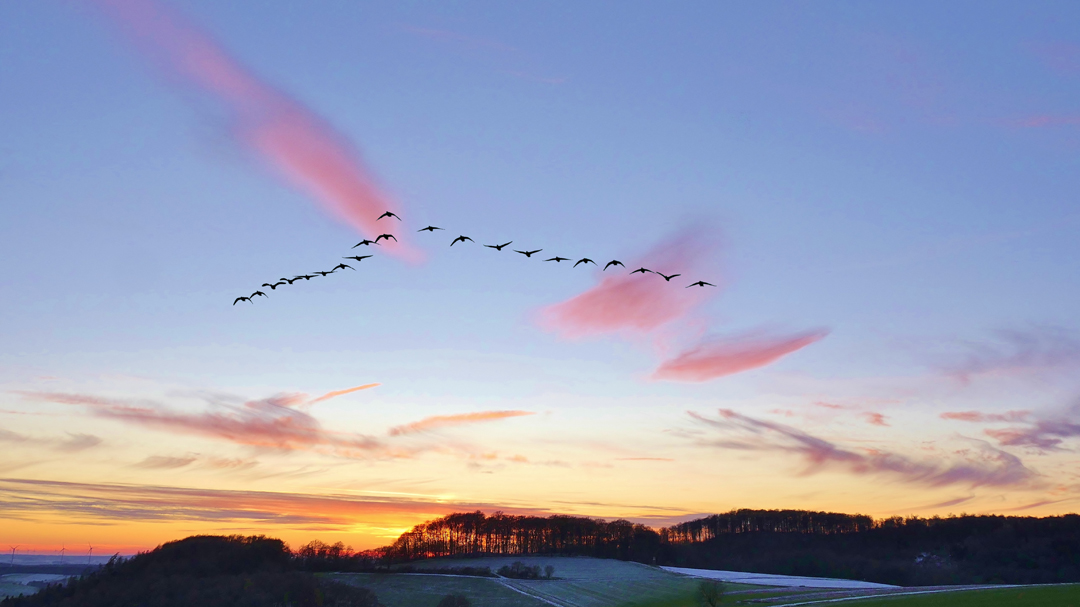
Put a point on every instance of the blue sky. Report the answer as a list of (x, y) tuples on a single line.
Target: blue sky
[(902, 175)]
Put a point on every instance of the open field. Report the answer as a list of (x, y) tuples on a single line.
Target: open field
[(588, 582)]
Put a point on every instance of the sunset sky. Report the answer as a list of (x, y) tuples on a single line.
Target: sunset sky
[(884, 194)]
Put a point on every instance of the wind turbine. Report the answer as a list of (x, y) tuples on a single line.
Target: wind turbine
[(13, 548), (90, 555), (63, 549)]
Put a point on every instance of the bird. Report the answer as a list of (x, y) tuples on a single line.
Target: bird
[(365, 242), (558, 259), (584, 260), (700, 283), (389, 214), (342, 266), (642, 270), (613, 262), (323, 274), (666, 277), (386, 236), (290, 281), (358, 257), (257, 293), (304, 276), (461, 239), (528, 253), (429, 229), (497, 247), (240, 299), (273, 286)]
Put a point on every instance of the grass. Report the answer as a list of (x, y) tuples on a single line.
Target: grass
[(1067, 595), (7, 590), (410, 590)]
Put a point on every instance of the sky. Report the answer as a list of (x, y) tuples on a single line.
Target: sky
[(880, 196)]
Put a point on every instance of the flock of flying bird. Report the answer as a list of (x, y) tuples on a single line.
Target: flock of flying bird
[(498, 247)]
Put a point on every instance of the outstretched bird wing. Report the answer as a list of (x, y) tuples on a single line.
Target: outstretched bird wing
[(428, 229), (389, 214), (642, 270), (239, 299), (613, 262)]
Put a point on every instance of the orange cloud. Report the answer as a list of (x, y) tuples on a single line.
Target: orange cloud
[(976, 416), (291, 138), (875, 419), (714, 358), (442, 421), (336, 393)]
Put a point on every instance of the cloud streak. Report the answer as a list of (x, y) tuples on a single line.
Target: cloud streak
[(988, 467), (715, 358), (443, 421), (272, 423), (292, 139), (1018, 352)]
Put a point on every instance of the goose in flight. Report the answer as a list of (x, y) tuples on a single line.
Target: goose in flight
[(365, 242), (290, 280), (528, 253), (239, 299), (257, 293), (700, 283), (273, 286), (461, 239), (666, 277), (642, 270), (342, 266), (304, 276), (386, 236), (323, 274), (428, 229), (497, 247), (358, 257), (389, 214), (584, 260), (558, 259), (613, 262)]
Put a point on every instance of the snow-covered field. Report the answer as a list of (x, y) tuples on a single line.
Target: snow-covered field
[(786, 581)]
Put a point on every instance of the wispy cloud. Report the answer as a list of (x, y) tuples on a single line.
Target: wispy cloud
[(443, 421), (72, 443), (161, 462), (270, 423), (1017, 415), (1017, 352), (716, 357), (292, 139), (337, 393), (639, 303), (988, 466), (874, 418)]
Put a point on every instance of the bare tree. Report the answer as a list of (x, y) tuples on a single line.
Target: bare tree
[(710, 593)]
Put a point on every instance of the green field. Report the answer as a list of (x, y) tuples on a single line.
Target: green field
[(1067, 595), (588, 582)]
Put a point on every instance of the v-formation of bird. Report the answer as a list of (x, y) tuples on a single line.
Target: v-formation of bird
[(462, 239)]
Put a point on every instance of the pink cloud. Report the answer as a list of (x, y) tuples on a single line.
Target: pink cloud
[(337, 393), (291, 138), (717, 358), (977, 416), (875, 419), (639, 303), (988, 467), (269, 423), (442, 421)]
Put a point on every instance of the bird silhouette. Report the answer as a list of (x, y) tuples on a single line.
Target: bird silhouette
[(700, 283), (461, 239), (528, 253), (290, 280), (305, 277), (613, 262), (666, 277), (365, 242), (497, 247), (389, 214), (584, 260), (386, 236), (257, 293), (342, 266), (323, 274), (558, 259), (273, 286), (240, 299), (428, 229), (358, 257), (642, 270)]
